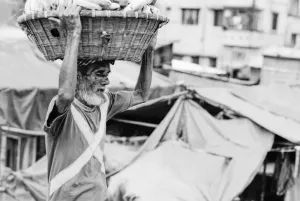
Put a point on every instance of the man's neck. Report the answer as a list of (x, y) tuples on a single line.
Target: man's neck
[(83, 102)]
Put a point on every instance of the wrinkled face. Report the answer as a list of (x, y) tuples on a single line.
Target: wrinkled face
[(91, 83)]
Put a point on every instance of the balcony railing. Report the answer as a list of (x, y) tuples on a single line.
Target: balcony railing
[(251, 39), (243, 38)]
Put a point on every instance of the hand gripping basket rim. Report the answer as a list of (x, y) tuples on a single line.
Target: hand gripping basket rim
[(125, 52)]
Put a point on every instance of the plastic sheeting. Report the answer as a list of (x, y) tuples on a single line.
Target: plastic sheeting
[(25, 109), (31, 184), (27, 82), (293, 194), (28, 185), (269, 111), (192, 156), (281, 100)]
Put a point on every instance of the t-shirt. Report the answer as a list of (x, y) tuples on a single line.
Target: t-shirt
[(65, 143)]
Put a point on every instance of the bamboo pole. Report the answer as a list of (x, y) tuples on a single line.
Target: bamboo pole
[(263, 187), (139, 123), (163, 98), (2, 154), (22, 131)]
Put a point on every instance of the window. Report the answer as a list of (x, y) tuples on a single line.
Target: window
[(241, 19), (274, 21), (218, 17), (293, 40), (213, 62), (195, 59), (190, 16), (177, 57)]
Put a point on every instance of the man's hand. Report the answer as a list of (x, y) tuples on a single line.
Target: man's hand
[(70, 18), (153, 42), (141, 92)]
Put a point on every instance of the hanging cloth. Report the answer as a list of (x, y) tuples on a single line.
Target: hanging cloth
[(283, 176)]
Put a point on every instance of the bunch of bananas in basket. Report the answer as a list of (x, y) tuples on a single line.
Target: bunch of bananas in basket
[(146, 6)]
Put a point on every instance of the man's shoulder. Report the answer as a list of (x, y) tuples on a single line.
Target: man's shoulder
[(54, 119)]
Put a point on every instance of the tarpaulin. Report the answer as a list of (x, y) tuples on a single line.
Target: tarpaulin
[(280, 100), (293, 194), (25, 109), (277, 121), (193, 156), (31, 184), (27, 82)]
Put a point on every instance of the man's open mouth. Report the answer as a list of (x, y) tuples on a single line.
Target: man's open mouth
[(101, 89)]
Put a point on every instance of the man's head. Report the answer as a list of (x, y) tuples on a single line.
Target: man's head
[(91, 82)]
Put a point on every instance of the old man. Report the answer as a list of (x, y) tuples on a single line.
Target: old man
[(76, 118)]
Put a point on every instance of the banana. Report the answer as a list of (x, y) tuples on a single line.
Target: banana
[(27, 6), (102, 3), (35, 6), (87, 4), (135, 5), (146, 9), (154, 10), (114, 6), (46, 4)]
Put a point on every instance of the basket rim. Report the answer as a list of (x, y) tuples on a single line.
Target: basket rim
[(94, 13)]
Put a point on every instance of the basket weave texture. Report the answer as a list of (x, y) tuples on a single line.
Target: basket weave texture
[(129, 34)]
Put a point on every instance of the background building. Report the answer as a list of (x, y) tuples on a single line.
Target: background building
[(10, 10), (231, 33)]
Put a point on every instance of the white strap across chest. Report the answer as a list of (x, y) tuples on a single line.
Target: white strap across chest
[(93, 150), (88, 134)]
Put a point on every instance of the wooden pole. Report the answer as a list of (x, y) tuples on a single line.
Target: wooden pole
[(18, 164), (2, 154), (22, 131), (263, 189), (139, 123)]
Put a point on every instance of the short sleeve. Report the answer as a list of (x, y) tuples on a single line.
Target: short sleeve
[(119, 102), (53, 118)]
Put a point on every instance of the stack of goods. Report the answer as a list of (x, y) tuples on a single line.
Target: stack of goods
[(118, 30)]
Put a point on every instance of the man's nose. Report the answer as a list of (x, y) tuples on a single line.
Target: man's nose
[(106, 81)]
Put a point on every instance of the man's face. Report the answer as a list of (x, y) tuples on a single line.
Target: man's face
[(92, 83)]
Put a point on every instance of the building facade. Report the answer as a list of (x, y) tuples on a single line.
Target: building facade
[(231, 33)]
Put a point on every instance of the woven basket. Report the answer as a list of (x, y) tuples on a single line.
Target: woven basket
[(130, 34)]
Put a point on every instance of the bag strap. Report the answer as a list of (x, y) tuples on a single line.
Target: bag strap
[(88, 134), (74, 168)]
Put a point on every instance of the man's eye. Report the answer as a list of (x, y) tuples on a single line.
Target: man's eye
[(102, 75)]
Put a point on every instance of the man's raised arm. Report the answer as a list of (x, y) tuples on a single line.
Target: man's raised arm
[(142, 88), (70, 19)]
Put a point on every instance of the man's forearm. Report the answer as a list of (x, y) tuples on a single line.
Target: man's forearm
[(68, 72), (145, 77)]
